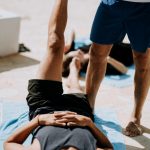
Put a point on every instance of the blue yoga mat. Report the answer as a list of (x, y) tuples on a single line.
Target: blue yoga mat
[(121, 80), (16, 115)]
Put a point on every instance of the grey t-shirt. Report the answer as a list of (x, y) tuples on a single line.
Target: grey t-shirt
[(57, 138)]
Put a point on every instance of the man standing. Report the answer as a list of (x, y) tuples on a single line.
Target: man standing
[(115, 18)]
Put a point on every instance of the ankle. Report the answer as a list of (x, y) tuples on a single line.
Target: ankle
[(136, 119)]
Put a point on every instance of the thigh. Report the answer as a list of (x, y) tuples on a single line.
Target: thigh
[(42, 95), (142, 60), (137, 26), (108, 27), (51, 65)]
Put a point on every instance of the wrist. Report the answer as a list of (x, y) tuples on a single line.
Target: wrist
[(37, 120), (90, 123)]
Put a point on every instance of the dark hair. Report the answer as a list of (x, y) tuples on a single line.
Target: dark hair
[(65, 68)]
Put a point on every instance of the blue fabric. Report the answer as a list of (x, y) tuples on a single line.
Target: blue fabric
[(105, 119), (109, 2), (116, 18), (121, 80), (81, 42), (14, 115), (8, 127)]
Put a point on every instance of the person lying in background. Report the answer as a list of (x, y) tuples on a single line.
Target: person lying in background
[(58, 121), (117, 63)]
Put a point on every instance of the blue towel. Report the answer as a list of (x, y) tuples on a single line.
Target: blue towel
[(121, 80), (81, 42), (105, 120)]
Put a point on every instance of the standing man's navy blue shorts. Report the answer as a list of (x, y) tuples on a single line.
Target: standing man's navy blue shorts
[(113, 21)]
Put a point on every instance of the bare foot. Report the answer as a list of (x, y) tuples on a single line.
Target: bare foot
[(78, 53), (133, 129), (67, 60)]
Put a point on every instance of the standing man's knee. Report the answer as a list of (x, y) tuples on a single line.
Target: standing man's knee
[(142, 60), (99, 52)]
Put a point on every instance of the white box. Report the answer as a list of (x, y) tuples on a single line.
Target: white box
[(9, 33)]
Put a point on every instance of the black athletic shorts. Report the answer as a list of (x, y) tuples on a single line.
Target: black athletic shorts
[(115, 18), (47, 96)]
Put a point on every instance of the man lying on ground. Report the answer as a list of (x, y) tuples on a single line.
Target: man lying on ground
[(59, 121)]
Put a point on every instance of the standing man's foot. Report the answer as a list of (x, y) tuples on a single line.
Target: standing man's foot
[(77, 53), (133, 129)]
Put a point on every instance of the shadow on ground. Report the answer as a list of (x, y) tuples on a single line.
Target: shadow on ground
[(16, 61), (143, 141), (128, 147)]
